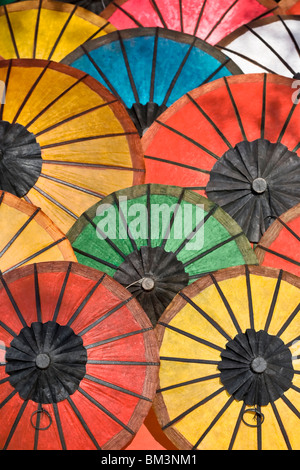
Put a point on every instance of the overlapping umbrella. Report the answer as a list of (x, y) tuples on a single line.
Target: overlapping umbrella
[(269, 44), (148, 69), (279, 246), (27, 235), (46, 29), (230, 369), (156, 239), (79, 360), (235, 140), (96, 6), (210, 20), (65, 140)]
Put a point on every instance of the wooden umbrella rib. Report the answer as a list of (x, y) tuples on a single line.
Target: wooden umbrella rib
[(290, 34), (121, 363), (199, 17), (289, 229), (72, 185), (128, 69), (104, 383), (62, 31), (114, 338), (291, 406), (236, 428), (188, 382), (280, 255), (62, 293), (242, 56), (91, 165), (220, 19), (274, 300), (59, 426), (281, 426), (37, 294), (124, 222), (16, 422), (172, 219), (83, 423), (159, 13), (183, 165), (36, 31), (85, 139), (13, 39), (105, 410), (6, 328), (12, 301), (131, 17), (289, 320), (236, 111), (287, 121), (9, 397), (249, 295), (263, 112), (95, 258), (56, 203), (214, 421), (153, 69)]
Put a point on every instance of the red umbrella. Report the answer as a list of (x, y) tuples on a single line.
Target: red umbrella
[(79, 360), (210, 20)]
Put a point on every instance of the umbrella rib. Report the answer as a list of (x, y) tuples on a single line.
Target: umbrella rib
[(270, 48), (126, 13), (72, 185), (115, 387), (213, 124), (159, 13), (108, 240), (105, 410), (191, 336), (242, 56), (289, 320), (13, 39), (236, 428), (189, 139), (59, 426), (183, 165), (15, 424), (205, 316), (122, 363), (278, 254), (95, 258), (37, 295), (199, 17), (37, 253), (97, 32), (249, 295), (153, 69), (237, 114), (55, 101), (103, 317), (84, 139), (289, 229), (274, 300), (172, 219), (9, 397), (113, 338), (128, 69), (179, 70), (2, 100), (287, 121), (290, 405), (37, 25), (13, 302), (83, 423), (211, 76), (193, 408), (62, 292), (290, 34), (9, 330), (18, 233), (132, 241), (263, 113), (85, 300), (188, 382), (213, 248), (92, 165), (281, 426), (56, 203), (221, 19), (75, 116), (62, 32), (226, 303), (214, 421)]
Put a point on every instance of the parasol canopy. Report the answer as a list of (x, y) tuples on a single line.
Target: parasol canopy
[(235, 140), (79, 360), (46, 29), (148, 69), (269, 44), (279, 246), (96, 6), (156, 239), (65, 140), (210, 20), (27, 235), (230, 371)]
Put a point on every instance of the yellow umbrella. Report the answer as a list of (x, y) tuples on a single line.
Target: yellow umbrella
[(230, 371), (46, 29), (28, 236), (65, 140)]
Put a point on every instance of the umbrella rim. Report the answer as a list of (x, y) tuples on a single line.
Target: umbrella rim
[(122, 438), (43, 221), (196, 93), (118, 109), (274, 230), (168, 190), (177, 36), (176, 306)]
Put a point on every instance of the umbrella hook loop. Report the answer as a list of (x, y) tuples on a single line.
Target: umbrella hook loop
[(258, 417), (41, 410)]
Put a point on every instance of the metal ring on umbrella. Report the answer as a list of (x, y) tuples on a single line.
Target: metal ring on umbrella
[(79, 360), (27, 235), (230, 371), (235, 140), (269, 44), (150, 68), (65, 140), (279, 246), (210, 20), (156, 239), (46, 29)]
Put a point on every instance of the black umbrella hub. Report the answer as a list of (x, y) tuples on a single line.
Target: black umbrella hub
[(256, 367), (20, 159), (46, 362)]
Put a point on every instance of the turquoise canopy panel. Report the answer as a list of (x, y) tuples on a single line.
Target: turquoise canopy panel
[(148, 69)]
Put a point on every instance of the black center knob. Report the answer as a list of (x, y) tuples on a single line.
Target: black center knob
[(259, 365), (148, 283), (259, 185), (42, 361)]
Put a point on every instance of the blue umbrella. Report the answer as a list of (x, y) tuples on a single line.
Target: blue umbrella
[(148, 69)]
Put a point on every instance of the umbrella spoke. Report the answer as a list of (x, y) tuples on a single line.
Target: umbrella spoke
[(116, 338), (11, 31), (62, 32), (15, 424), (281, 426), (235, 107), (62, 292), (220, 19), (188, 382), (274, 300), (83, 423), (115, 387), (12, 300)]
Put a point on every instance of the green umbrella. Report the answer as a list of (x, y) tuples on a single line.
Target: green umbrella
[(156, 239)]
